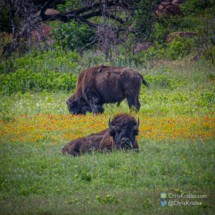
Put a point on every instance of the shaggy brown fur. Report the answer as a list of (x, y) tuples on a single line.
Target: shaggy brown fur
[(108, 73), (121, 73), (108, 138), (94, 89)]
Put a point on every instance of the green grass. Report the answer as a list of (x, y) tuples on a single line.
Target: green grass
[(40, 180), (35, 178)]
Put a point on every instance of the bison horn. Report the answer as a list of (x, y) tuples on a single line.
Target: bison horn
[(136, 126), (111, 126), (67, 101)]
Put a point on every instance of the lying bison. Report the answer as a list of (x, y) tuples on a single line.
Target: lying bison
[(120, 135), (105, 84)]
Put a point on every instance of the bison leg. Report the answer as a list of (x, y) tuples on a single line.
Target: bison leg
[(72, 148), (86, 109), (131, 102), (137, 104), (95, 102), (96, 108)]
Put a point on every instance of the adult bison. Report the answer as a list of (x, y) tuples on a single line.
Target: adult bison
[(121, 134), (105, 84)]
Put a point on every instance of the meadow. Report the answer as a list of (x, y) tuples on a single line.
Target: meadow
[(176, 140)]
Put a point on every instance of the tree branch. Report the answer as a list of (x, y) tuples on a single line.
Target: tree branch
[(66, 17), (4, 3), (46, 5), (12, 17)]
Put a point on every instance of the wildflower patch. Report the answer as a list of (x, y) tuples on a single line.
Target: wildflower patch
[(55, 128)]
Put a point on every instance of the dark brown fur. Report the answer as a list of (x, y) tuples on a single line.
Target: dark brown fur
[(106, 139), (112, 84)]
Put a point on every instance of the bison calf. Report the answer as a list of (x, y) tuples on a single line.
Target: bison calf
[(121, 134)]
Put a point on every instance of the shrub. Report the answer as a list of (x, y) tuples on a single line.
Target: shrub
[(53, 60), (196, 6), (23, 80), (73, 35), (159, 32), (204, 42), (164, 82), (179, 48), (39, 72), (4, 39)]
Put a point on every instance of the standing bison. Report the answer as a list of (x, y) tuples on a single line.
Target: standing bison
[(121, 134), (105, 84)]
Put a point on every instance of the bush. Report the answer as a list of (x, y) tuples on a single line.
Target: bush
[(204, 41), (73, 35), (179, 48), (159, 32), (164, 82), (50, 70), (4, 39), (23, 80), (53, 60), (196, 6)]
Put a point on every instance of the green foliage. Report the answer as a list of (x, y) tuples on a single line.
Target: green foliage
[(147, 203), (141, 23), (4, 39), (204, 43), (108, 199), (42, 71), (128, 59), (197, 6), (188, 23), (56, 60), (23, 80), (68, 5), (163, 82), (128, 62), (153, 53), (206, 98), (86, 176), (6, 117), (160, 32), (73, 35), (89, 57), (179, 47)]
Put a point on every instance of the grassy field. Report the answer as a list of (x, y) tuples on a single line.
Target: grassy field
[(176, 139)]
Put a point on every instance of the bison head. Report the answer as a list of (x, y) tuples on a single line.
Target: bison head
[(78, 106), (123, 129)]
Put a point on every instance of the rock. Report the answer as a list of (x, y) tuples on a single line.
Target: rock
[(168, 9), (130, 28), (177, 1), (42, 33), (142, 47), (48, 11), (175, 35)]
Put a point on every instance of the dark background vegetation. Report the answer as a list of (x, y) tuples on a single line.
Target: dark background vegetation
[(108, 25)]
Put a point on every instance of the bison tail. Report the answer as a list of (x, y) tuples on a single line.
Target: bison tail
[(144, 82)]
